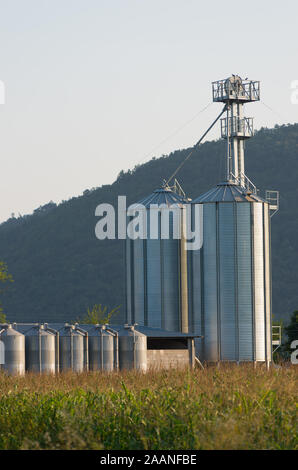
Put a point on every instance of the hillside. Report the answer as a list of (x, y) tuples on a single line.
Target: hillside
[(60, 268)]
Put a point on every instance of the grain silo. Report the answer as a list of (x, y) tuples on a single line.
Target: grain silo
[(13, 343), (132, 349), (156, 263), (230, 276), (73, 348), (41, 349), (103, 348)]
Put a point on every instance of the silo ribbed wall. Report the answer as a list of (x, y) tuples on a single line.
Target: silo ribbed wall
[(230, 281), (154, 272)]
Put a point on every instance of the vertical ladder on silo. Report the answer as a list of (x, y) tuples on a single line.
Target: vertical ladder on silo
[(276, 337), (272, 197)]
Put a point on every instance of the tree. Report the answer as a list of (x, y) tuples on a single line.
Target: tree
[(99, 315), (5, 278), (3, 318), (68, 269)]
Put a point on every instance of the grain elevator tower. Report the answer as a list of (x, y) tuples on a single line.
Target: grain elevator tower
[(230, 276)]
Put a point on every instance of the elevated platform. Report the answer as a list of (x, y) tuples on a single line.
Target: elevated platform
[(235, 127), (235, 90)]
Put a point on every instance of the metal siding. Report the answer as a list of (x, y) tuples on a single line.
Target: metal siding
[(101, 350), (183, 317), (197, 295), (244, 281), (40, 351), (226, 238), (227, 192), (153, 270), (139, 295), (195, 292), (259, 297), (132, 349), (154, 281), (170, 253), (267, 279), (210, 283), (71, 350), (14, 351), (128, 281), (190, 291)]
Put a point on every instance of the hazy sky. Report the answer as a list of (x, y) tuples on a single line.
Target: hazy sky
[(94, 86)]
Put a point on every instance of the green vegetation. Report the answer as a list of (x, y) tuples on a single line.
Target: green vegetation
[(289, 334), (227, 408), (99, 315), (5, 278), (292, 330), (60, 268)]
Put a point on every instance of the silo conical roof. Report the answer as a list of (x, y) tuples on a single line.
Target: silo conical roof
[(9, 331), (228, 192), (163, 196)]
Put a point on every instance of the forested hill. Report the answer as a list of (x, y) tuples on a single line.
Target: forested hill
[(60, 268)]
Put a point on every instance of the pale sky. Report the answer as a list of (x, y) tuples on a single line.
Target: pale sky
[(94, 86)]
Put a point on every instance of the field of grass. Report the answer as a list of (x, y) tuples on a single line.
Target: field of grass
[(227, 408)]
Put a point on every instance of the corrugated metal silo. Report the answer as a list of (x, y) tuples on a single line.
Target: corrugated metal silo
[(14, 350), (73, 349), (40, 347), (132, 349), (156, 267), (103, 348), (230, 294)]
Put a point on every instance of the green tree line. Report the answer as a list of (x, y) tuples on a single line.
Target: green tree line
[(60, 269)]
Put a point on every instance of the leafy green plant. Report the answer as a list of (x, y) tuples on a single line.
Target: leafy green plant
[(3, 318), (99, 315)]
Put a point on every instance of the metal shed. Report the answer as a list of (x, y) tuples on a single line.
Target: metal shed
[(168, 349)]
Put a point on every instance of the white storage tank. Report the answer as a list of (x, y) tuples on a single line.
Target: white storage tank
[(73, 349), (103, 348), (40, 348), (13, 347), (230, 291), (132, 349), (156, 266)]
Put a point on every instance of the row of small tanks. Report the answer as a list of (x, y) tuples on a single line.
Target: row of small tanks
[(43, 349)]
